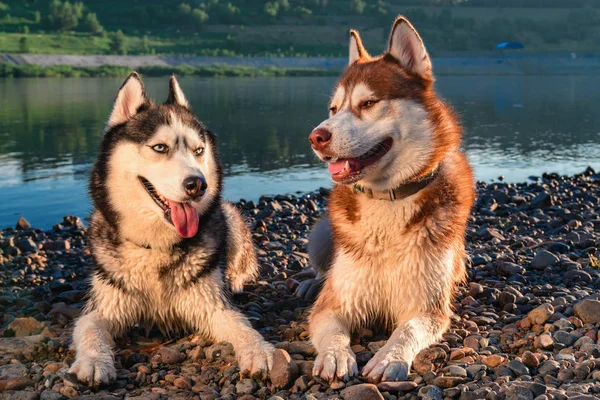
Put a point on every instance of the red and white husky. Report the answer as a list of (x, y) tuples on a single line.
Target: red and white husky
[(391, 248)]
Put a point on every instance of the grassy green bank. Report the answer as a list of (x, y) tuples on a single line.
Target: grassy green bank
[(67, 71)]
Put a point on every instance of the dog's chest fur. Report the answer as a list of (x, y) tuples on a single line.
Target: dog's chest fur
[(383, 267)]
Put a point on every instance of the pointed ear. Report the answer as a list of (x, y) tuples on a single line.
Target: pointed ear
[(357, 50), (407, 47), (176, 95), (130, 97)]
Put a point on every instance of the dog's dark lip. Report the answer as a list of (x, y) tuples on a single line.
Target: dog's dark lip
[(151, 190)]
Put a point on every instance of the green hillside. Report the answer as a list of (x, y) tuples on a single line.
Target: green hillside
[(289, 27)]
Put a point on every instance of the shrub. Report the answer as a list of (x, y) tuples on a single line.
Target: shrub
[(23, 45), (118, 43), (92, 25)]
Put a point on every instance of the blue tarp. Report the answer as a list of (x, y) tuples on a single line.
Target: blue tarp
[(510, 45)]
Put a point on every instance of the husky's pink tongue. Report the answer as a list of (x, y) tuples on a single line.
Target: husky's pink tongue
[(185, 218), (343, 168), (337, 167)]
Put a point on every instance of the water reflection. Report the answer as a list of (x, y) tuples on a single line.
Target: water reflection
[(50, 128)]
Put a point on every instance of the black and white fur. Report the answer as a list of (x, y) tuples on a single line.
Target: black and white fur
[(147, 272)]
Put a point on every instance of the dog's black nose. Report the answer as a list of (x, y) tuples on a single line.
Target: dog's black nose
[(194, 186)]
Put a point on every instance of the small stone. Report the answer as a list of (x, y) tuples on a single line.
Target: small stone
[(530, 359), (246, 386), (395, 387), (285, 371), (56, 245), (548, 367), (301, 347), (565, 338), (25, 326), (18, 383), (518, 367), (182, 383), (167, 355), (365, 391), (431, 392), (22, 224), (543, 259), (447, 381), (588, 310), (544, 341), (493, 361), (517, 392), (540, 314), (430, 359), (26, 245)]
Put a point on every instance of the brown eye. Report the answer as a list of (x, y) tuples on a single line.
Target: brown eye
[(368, 104), (333, 109)]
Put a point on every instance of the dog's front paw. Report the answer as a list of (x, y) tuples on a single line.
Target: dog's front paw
[(256, 359), (336, 363), (386, 366), (94, 370)]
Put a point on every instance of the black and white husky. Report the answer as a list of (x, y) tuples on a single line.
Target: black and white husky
[(167, 248)]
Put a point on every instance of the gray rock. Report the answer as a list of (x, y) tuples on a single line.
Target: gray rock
[(517, 392), (548, 367), (565, 338), (431, 392), (26, 245), (246, 386), (518, 367), (543, 259)]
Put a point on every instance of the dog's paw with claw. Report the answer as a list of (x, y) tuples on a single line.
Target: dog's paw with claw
[(256, 360), (94, 371), (386, 366), (336, 363)]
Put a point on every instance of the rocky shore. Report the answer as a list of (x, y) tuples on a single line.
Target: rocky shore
[(527, 325)]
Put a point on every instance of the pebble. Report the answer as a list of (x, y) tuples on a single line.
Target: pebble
[(588, 310), (540, 314), (285, 371), (365, 391), (526, 326)]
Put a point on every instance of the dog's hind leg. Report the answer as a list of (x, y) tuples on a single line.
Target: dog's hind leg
[(392, 362), (242, 266), (93, 341), (320, 254)]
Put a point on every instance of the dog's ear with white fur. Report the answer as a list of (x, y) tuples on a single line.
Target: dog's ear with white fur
[(176, 95), (357, 50), (130, 97), (407, 47)]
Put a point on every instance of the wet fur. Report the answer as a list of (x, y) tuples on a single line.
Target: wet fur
[(145, 272), (398, 262)]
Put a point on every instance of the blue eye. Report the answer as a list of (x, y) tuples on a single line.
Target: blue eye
[(199, 151), (160, 148)]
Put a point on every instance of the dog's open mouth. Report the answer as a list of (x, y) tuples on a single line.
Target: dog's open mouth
[(344, 168), (181, 215)]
